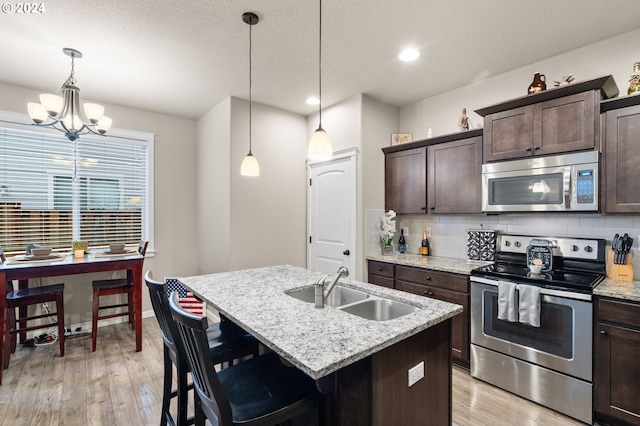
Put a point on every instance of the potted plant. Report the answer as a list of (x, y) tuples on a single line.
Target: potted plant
[(388, 228), (79, 248)]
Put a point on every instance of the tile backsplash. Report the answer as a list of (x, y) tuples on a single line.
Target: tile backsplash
[(448, 236)]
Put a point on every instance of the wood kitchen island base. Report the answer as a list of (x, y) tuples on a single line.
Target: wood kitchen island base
[(374, 391)]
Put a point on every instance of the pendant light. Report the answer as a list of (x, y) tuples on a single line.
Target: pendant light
[(250, 165), (319, 147)]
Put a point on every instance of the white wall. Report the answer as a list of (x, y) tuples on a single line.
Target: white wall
[(614, 56), (213, 184), (175, 196), (247, 222)]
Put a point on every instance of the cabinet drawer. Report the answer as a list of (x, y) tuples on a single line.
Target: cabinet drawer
[(619, 312), (382, 281), (432, 278), (433, 292), (380, 268)]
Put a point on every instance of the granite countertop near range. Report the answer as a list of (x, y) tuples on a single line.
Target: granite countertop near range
[(627, 290), (317, 341), (444, 264)]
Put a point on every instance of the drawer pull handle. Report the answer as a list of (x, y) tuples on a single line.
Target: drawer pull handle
[(428, 292), (427, 278), (379, 269)]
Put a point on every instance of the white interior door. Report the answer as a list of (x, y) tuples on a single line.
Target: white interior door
[(331, 213)]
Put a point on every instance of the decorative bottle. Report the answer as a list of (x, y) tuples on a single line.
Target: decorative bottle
[(402, 245), (634, 80), (463, 121), (538, 84), (424, 247)]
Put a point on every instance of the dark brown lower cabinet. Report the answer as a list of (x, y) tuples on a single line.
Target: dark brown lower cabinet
[(375, 390), (453, 288), (381, 273), (617, 362)]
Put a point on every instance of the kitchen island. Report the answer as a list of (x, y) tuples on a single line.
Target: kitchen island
[(362, 366)]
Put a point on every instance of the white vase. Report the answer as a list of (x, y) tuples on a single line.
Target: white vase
[(387, 250)]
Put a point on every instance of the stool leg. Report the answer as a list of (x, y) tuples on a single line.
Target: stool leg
[(7, 337), (60, 311), (166, 392), (94, 319), (183, 396), (130, 307)]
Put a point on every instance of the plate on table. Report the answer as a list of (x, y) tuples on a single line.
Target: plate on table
[(27, 258), (118, 252)]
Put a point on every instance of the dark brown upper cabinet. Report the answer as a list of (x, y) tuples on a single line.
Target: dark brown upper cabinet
[(453, 176), (557, 120), (445, 171), (621, 119)]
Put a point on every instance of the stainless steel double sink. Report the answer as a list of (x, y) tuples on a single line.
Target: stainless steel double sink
[(358, 303)]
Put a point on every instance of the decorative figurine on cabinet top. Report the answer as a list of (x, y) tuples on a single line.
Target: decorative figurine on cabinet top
[(463, 121), (634, 80), (538, 84), (566, 80)]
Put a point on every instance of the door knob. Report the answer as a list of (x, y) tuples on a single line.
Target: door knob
[(346, 252), (603, 332)]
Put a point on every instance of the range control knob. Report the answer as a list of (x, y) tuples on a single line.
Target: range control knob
[(588, 249), (574, 248), (517, 244), (507, 243)]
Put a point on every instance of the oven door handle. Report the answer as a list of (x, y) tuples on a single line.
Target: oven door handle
[(543, 291)]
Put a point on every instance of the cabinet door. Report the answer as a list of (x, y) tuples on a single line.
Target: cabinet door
[(617, 373), (508, 134), (622, 160), (405, 178), (459, 323), (454, 176), (565, 124)]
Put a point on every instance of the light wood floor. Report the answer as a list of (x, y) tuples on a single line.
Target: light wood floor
[(85, 388)]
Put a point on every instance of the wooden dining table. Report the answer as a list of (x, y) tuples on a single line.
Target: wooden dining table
[(67, 264)]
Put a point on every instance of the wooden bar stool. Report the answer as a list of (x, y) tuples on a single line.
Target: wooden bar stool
[(24, 298), (226, 342), (260, 391), (110, 287)]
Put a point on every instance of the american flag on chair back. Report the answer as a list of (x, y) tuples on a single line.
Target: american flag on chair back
[(187, 300)]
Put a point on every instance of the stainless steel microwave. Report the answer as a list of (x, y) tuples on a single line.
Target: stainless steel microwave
[(559, 183)]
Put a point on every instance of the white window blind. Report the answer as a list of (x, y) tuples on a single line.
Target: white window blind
[(53, 191)]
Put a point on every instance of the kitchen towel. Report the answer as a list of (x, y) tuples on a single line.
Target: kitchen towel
[(507, 307), (529, 305)]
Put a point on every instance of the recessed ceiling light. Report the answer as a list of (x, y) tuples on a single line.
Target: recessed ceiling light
[(313, 101), (409, 54)]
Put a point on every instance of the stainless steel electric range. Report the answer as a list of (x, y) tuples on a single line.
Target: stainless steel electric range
[(550, 362)]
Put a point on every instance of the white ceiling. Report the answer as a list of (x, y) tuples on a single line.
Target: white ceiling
[(183, 57)]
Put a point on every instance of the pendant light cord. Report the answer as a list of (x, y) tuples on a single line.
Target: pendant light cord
[(320, 69), (250, 87)]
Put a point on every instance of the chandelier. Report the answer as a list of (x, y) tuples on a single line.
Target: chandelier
[(63, 112)]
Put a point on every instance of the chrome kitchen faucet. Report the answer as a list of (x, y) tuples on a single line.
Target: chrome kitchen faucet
[(320, 293)]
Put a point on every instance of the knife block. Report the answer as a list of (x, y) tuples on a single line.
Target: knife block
[(619, 272)]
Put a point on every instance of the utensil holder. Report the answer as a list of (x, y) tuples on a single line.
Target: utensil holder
[(620, 272)]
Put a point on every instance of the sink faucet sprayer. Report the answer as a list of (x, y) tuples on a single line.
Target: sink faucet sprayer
[(320, 293)]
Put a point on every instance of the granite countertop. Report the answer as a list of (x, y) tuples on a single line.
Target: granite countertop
[(317, 341), (627, 290), (444, 264)]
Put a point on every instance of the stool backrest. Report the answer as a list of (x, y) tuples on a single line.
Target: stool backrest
[(193, 335), (142, 247), (160, 302)]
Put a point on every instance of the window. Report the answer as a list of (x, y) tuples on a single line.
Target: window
[(56, 191)]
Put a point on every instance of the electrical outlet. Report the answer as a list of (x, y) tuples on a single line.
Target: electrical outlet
[(416, 373)]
